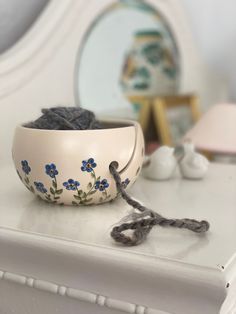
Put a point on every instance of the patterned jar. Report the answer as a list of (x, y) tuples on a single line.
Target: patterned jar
[(151, 65)]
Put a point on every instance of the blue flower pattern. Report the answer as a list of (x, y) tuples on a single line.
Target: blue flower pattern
[(25, 166), (51, 170), (82, 196), (101, 185), (71, 184), (40, 187), (88, 165)]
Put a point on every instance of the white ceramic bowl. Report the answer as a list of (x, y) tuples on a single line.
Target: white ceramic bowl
[(72, 167)]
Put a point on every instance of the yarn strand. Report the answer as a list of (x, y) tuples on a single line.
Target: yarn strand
[(143, 222)]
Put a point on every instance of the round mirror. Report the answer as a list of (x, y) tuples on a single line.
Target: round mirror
[(128, 51)]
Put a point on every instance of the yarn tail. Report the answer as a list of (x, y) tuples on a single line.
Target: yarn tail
[(141, 224)]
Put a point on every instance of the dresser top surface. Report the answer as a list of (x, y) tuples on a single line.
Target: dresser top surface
[(213, 199)]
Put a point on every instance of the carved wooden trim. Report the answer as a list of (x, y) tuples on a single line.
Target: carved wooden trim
[(80, 295)]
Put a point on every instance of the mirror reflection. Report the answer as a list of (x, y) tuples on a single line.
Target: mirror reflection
[(131, 65), (129, 51)]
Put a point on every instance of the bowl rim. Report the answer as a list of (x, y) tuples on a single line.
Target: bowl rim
[(124, 123)]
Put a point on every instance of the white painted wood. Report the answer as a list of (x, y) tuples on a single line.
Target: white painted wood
[(212, 198), (79, 295), (41, 69), (64, 250)]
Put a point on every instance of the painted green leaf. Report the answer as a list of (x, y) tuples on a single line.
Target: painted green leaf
[(92, 192), (80, 192), (88, 200), (98, 178), (73, 203), (19, 175), (89, 186), (56, 197), (77, 197), (26, 180), (92, 175), (59, 191), (31, 189), (54, 184), (52, 191)]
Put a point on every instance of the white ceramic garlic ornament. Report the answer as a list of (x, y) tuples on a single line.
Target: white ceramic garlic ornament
[(161, 164), (193, 165)]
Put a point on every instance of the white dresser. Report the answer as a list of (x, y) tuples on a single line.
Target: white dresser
[(62, 260)]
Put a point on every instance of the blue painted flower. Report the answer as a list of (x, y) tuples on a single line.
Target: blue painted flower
[(88, 165), (71, 184), (25, 166), (101, 185), (40, 187), (125, 183), (51, 170)]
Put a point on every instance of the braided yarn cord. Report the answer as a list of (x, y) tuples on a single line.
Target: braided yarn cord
[(143, 223)]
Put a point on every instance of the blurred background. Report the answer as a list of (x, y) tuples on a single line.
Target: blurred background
[(212, 23), (146, 64)]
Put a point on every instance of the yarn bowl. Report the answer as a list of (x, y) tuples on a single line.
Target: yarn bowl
[(71, 167)]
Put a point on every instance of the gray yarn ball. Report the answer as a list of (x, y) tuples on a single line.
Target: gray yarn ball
[(65, 118)]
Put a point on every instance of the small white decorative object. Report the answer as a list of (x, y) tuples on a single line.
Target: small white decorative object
[(193, 165), (161, 164)]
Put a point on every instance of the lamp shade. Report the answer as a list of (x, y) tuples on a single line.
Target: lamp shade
[(216, 130)]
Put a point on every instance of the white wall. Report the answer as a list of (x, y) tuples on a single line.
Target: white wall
[(213, 23)]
